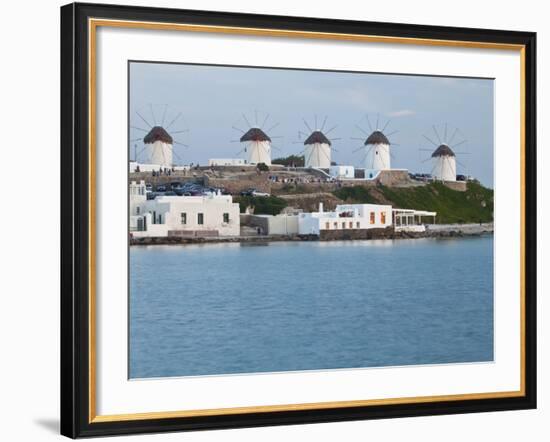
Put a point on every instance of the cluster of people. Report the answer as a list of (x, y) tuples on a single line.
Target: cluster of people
[(298, 180), (162, 171)]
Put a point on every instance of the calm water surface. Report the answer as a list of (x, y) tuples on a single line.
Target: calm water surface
[(227, 308)]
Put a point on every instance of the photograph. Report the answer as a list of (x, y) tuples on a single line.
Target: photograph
[(285, 220), (271, 220)]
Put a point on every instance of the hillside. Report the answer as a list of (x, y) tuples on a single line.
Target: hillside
[(452, 206)]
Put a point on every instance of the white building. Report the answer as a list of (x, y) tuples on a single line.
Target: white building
[(377, 155), (445, 163), (189, 216), (317, 152), (159, 146), (345, 217), (347, 172), (409, 220), (258, 146), (226, 162)]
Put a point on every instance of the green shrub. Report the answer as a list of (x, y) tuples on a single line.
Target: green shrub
[(452, 206), (290, 161), (262, 167), (263, 205), (357, 194)]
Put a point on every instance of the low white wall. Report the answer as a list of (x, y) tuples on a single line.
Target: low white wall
[(283, 225)]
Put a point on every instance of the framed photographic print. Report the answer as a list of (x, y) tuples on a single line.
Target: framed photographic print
[(279, 220)]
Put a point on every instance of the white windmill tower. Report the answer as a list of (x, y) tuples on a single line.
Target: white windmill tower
[(376, 147), (158, 146), (158, 143), (257, 143), (258, 146), (378, 151), (444, 157), (318, 147), (445, 163)]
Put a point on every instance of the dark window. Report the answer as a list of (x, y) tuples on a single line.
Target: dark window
[(226, 217), (200, 218), (184, 218)]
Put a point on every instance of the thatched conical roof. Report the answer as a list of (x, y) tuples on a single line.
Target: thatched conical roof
[(377, 137), (255, 134), (443, 151), (158, 133), (317, 137)]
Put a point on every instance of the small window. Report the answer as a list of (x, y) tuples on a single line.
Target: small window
[(351, 224), (137, 210), (183, 218), (372, 218), (200, 218), (358, 225), (343, 225), (335, 225), (383, 217), (327, 225), (226, 217)]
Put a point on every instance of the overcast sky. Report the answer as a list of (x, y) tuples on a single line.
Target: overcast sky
[(212, 99)]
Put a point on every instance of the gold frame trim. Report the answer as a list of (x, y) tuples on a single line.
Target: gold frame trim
[(93, 24)]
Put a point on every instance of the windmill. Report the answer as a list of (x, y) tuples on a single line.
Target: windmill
[(257, 143), (318, 147), (158, 142), (444, 157), (376, 145)]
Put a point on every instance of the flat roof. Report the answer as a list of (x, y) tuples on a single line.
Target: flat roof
[(415, 212)]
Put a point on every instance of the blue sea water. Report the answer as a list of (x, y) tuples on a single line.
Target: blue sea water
[(229, 308)]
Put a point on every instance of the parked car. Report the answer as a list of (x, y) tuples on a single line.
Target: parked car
[(148, 188), (161, 188), (257, 193), (461, 178), (247, 192)]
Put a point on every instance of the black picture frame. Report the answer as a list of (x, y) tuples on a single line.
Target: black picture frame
[(75, 220)]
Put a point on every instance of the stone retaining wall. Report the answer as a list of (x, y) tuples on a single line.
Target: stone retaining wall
[(461, 186), (351, 234)]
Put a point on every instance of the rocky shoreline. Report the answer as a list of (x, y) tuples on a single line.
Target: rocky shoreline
[(433, 231)]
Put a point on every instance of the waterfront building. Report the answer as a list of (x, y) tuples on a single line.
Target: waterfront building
[(346, 217), (409, 220), (207, 215), (445, 163)]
